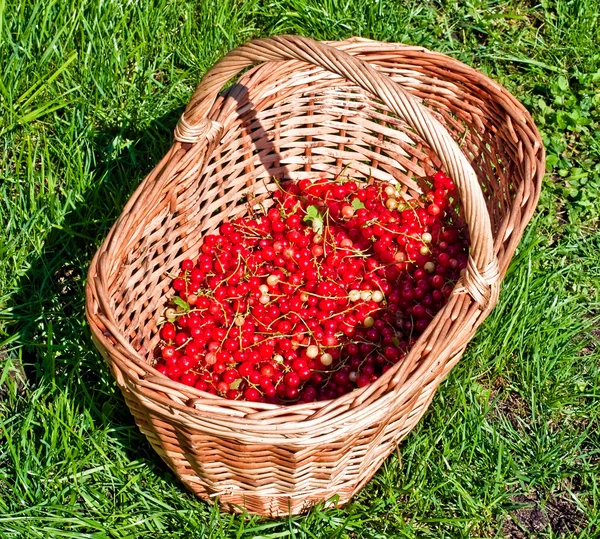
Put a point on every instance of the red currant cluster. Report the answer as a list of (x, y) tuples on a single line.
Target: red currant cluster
[(320, 294)]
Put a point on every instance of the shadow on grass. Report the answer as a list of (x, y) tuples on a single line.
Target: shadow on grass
[(48, 310)]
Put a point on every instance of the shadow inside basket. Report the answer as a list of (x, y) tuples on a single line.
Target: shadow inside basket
[(261, 146)]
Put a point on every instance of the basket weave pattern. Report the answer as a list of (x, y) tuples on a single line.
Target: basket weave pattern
[(379, 112)]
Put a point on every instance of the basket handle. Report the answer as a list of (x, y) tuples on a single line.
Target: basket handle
[(482, 274)]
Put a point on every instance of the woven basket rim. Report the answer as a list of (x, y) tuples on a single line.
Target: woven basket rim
[(254, 414)]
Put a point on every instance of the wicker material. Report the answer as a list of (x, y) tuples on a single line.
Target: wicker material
[(309, 108)]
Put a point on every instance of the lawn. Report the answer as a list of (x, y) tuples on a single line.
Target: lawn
[(90, 92)]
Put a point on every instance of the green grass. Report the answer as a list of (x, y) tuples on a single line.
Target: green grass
[(89, 95)]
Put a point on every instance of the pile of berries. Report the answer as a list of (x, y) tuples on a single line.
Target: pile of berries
[(316, 296)]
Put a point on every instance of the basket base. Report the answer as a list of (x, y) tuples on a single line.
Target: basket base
[(273, 505)]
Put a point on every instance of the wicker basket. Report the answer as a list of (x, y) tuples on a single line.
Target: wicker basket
[(380, 111)]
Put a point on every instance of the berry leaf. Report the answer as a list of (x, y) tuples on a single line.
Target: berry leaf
[(235, 384), (315, 218), (357, 204), (180, 303), (312, 212)]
